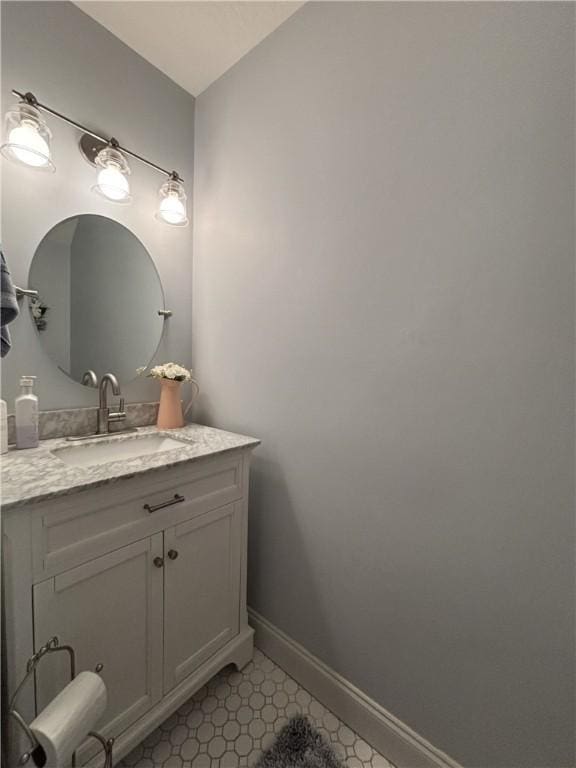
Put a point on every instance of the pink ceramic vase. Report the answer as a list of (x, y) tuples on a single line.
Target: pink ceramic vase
[(170, 410)]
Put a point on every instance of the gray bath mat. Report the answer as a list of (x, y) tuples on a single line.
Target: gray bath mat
[(299, 745)]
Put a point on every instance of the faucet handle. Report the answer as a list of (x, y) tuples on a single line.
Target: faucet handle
[(119, 414)]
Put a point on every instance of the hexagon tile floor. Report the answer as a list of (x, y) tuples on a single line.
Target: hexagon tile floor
[(233, 718)]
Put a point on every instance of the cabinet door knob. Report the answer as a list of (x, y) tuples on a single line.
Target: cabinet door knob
[(158, 562), (172, 554)]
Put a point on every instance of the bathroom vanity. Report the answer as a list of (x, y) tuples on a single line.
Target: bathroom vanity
[(132, 549)]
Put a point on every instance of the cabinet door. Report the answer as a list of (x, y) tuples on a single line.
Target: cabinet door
[(201, 590), (110, 611)]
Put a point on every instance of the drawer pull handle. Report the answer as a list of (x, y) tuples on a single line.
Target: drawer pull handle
[(158, 562), (172, 554), (176, 500)]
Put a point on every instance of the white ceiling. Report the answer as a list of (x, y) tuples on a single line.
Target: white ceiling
[(192, 42)]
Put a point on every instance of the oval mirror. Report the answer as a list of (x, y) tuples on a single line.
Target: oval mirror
[(98, 299)]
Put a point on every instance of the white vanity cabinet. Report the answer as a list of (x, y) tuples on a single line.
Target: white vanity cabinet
[(146, 576), (201, 589), (110, 610)]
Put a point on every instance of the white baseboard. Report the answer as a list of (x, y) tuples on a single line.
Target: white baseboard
[(388, 735)]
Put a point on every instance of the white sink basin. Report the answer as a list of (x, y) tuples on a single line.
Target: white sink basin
[(116, 450)]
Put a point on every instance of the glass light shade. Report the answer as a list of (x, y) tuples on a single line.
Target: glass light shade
[(28, 137), (172, 208), (112, 182)]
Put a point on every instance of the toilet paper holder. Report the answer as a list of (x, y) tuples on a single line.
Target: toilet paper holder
[(52, 646)]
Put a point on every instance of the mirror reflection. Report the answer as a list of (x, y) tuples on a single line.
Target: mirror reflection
[(99, 294)]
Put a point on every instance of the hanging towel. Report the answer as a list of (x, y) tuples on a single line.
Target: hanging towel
[(8, 306)]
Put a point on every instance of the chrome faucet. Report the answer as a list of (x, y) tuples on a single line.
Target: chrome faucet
[(104, 415)]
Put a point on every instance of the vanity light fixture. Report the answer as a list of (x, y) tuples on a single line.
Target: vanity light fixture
[(172, 208), (28, 141), (28, 136), (112, 180)]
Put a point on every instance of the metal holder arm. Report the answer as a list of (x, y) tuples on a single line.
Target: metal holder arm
[(52, 646), (31, 293)]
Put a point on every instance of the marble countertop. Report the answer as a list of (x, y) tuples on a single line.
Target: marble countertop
[(37, 474)]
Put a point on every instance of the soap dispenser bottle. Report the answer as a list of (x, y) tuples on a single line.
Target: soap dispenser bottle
[(26, 413)]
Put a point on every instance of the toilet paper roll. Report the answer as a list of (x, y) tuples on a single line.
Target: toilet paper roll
[(64, 724)]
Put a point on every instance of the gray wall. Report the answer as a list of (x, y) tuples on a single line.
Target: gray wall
[(383, 279), (73, 64)]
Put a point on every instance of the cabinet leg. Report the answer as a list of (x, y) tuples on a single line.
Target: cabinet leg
[(245, 651)]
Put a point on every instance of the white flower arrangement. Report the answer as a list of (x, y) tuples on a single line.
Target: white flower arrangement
[(171, 371)]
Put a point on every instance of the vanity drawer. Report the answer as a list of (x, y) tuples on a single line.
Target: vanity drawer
[(69, 531)]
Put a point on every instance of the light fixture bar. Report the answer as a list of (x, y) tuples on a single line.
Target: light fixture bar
[(29, 98)]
